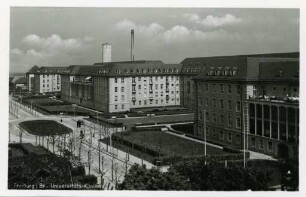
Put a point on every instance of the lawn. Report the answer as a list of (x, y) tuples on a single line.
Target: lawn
[(185, 128), (170, 143), (44, 127), (43, 101), (66, 109), (52, 106), (158, 145), (157, 119)]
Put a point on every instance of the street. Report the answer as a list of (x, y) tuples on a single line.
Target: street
[(113, 162)]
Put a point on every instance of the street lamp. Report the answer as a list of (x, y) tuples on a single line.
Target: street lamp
[(245, 137), (31, 107), (73, 105), (288, 178), (204, 125)]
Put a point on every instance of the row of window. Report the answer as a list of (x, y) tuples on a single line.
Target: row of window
[(284, 89), (214, 119), (222, 135), (156, 94), (151, 86), (221, 104), (228, 136), (148, 70), (116, 89), (146, 103), (122, 98), (260, 144), (212, 71), (122, 80), (222, 88), (48, 81), (47, 86), (156, 78), (122, 106), (152, 101)]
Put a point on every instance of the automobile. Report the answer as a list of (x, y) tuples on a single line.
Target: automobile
[(164, 129)]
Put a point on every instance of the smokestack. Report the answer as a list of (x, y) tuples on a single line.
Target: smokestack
[(106, 52), (132, 45)]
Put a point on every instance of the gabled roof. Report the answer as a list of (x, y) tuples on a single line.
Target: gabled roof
[(194, 66), (279, 71), (251, 69), (193, 60), (130, 68), (46, 70), (33, 69), (22, 80)]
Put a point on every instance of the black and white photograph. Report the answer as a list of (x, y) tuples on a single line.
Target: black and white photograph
[(153, 99)]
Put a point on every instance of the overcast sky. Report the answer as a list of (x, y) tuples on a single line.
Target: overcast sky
[(67, 36)]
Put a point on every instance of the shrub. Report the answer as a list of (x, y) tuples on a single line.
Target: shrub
[(89, 179)]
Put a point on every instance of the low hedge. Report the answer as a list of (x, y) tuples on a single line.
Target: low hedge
[(155, 128), (45, 127), (58, 110), (168, 160), (230, 149), (138, 145), (184, 128), (177, 132), (201, 139)]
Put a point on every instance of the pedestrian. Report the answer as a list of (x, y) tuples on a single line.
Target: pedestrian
[(61, 120)]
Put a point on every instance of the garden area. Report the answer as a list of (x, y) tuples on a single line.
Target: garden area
[(44, 127), (258, 175), (184, 128), (34, 167), (48, 105), (158, 146)]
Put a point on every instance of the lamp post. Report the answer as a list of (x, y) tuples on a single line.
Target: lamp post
[(245, 137), (73, 105), (204, 125), (31, 106)]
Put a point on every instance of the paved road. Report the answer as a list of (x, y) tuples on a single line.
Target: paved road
[(87, 148)]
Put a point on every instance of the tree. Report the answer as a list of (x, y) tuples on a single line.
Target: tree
[(89, 179), (215, 177), (140, 178)]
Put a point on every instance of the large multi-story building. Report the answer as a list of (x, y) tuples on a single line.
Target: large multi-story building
[(30, 78), (193, 67), (44, 79), (255, 96), (122, 86)]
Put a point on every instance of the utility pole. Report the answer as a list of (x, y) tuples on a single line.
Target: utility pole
[(142, 156), (102, 171), (20, 136), (245, 130), (53, 142), (99, 148), (102, 166), (112, 167), (89, 160), (64, 142), (204, 136), (80, 149), (126, 163), (47, 143), (31, 107)]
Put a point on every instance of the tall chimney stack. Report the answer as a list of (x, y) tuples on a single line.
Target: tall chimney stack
[(132, 45), (106, 52)]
